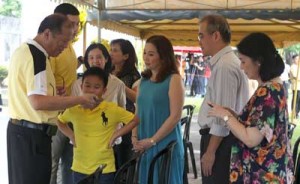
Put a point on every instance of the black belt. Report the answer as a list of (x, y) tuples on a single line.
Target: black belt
[(204, 131), (48, 129)]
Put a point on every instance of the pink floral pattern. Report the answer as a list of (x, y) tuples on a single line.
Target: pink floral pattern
[(270, 161)]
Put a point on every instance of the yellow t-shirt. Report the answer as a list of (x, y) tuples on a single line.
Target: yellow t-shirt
[(29, 74), (64, 67), (93, 130)]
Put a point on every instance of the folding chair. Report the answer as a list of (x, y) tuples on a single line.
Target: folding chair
[(128, 172), (186, 121), (93, 178), (163, 159)]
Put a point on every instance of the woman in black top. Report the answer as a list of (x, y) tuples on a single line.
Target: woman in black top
[(124, 62)]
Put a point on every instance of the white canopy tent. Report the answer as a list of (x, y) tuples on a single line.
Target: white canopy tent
[(178, 19)]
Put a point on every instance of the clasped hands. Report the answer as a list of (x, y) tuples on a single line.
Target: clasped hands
[(138, 145), (141, 145)]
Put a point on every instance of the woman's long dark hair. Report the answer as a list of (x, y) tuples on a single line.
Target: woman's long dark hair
[(131, 62), (166, 54)]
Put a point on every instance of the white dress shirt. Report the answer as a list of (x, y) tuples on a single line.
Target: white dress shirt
[(227, 86)]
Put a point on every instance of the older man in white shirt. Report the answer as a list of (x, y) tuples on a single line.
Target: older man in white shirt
[(227, 86)]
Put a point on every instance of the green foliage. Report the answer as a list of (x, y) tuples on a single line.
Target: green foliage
[(290, 51), (3, 73), (294, 48), (11, 8)]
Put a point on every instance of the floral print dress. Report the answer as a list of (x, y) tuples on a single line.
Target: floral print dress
[(270, 161)]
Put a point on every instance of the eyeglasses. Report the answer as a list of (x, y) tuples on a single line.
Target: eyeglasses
[(52, 89), (201, 35), (62, 78), (60, 87)]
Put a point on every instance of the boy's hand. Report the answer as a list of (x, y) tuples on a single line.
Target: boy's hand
[(113, 139), (72, 140)]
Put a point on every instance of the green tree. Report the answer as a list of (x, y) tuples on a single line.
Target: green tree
[(3, 73), (290, 51), (11, 8)]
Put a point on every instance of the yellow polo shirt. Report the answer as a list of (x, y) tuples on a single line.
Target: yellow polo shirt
[(93, 130), (64, 67), (29, 74)]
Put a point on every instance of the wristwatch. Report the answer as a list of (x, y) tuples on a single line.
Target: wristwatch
[(226, 118), (153, 142)]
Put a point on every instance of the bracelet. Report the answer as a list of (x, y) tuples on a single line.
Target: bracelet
[(134, 136), (152, 142)]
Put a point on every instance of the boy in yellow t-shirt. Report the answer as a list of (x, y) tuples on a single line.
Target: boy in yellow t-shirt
[(94, 128)]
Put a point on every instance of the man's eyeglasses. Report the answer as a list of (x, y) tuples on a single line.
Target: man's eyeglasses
[(201, 36), (58, 87), (62, 79), (53, 89)]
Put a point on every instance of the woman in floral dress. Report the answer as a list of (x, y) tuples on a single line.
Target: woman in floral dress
[(262, 152)]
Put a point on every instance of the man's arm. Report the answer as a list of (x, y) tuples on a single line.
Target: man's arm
[(208, 158), (41, 102)]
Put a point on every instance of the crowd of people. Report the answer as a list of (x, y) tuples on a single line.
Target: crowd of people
[(243, 139), (195, 71)]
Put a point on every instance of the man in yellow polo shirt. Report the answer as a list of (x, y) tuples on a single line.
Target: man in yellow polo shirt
[(64, 68), (33, 103)]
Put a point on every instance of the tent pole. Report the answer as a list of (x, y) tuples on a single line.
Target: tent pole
[(99, 19), (295, 93), (84, 38)]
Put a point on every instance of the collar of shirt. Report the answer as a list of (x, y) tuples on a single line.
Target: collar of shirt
[(102, 106), (33, 42), (219, 54)]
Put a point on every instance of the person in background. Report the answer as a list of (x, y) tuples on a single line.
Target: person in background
[(187, 69), (286, 79), (93, 129), (124, 61), (198, 79), (180, 66), (33, 104), (64, 68), (262, 153), (207, 71), (96, 55), (295, 78), (159, 106), (227, 86)]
